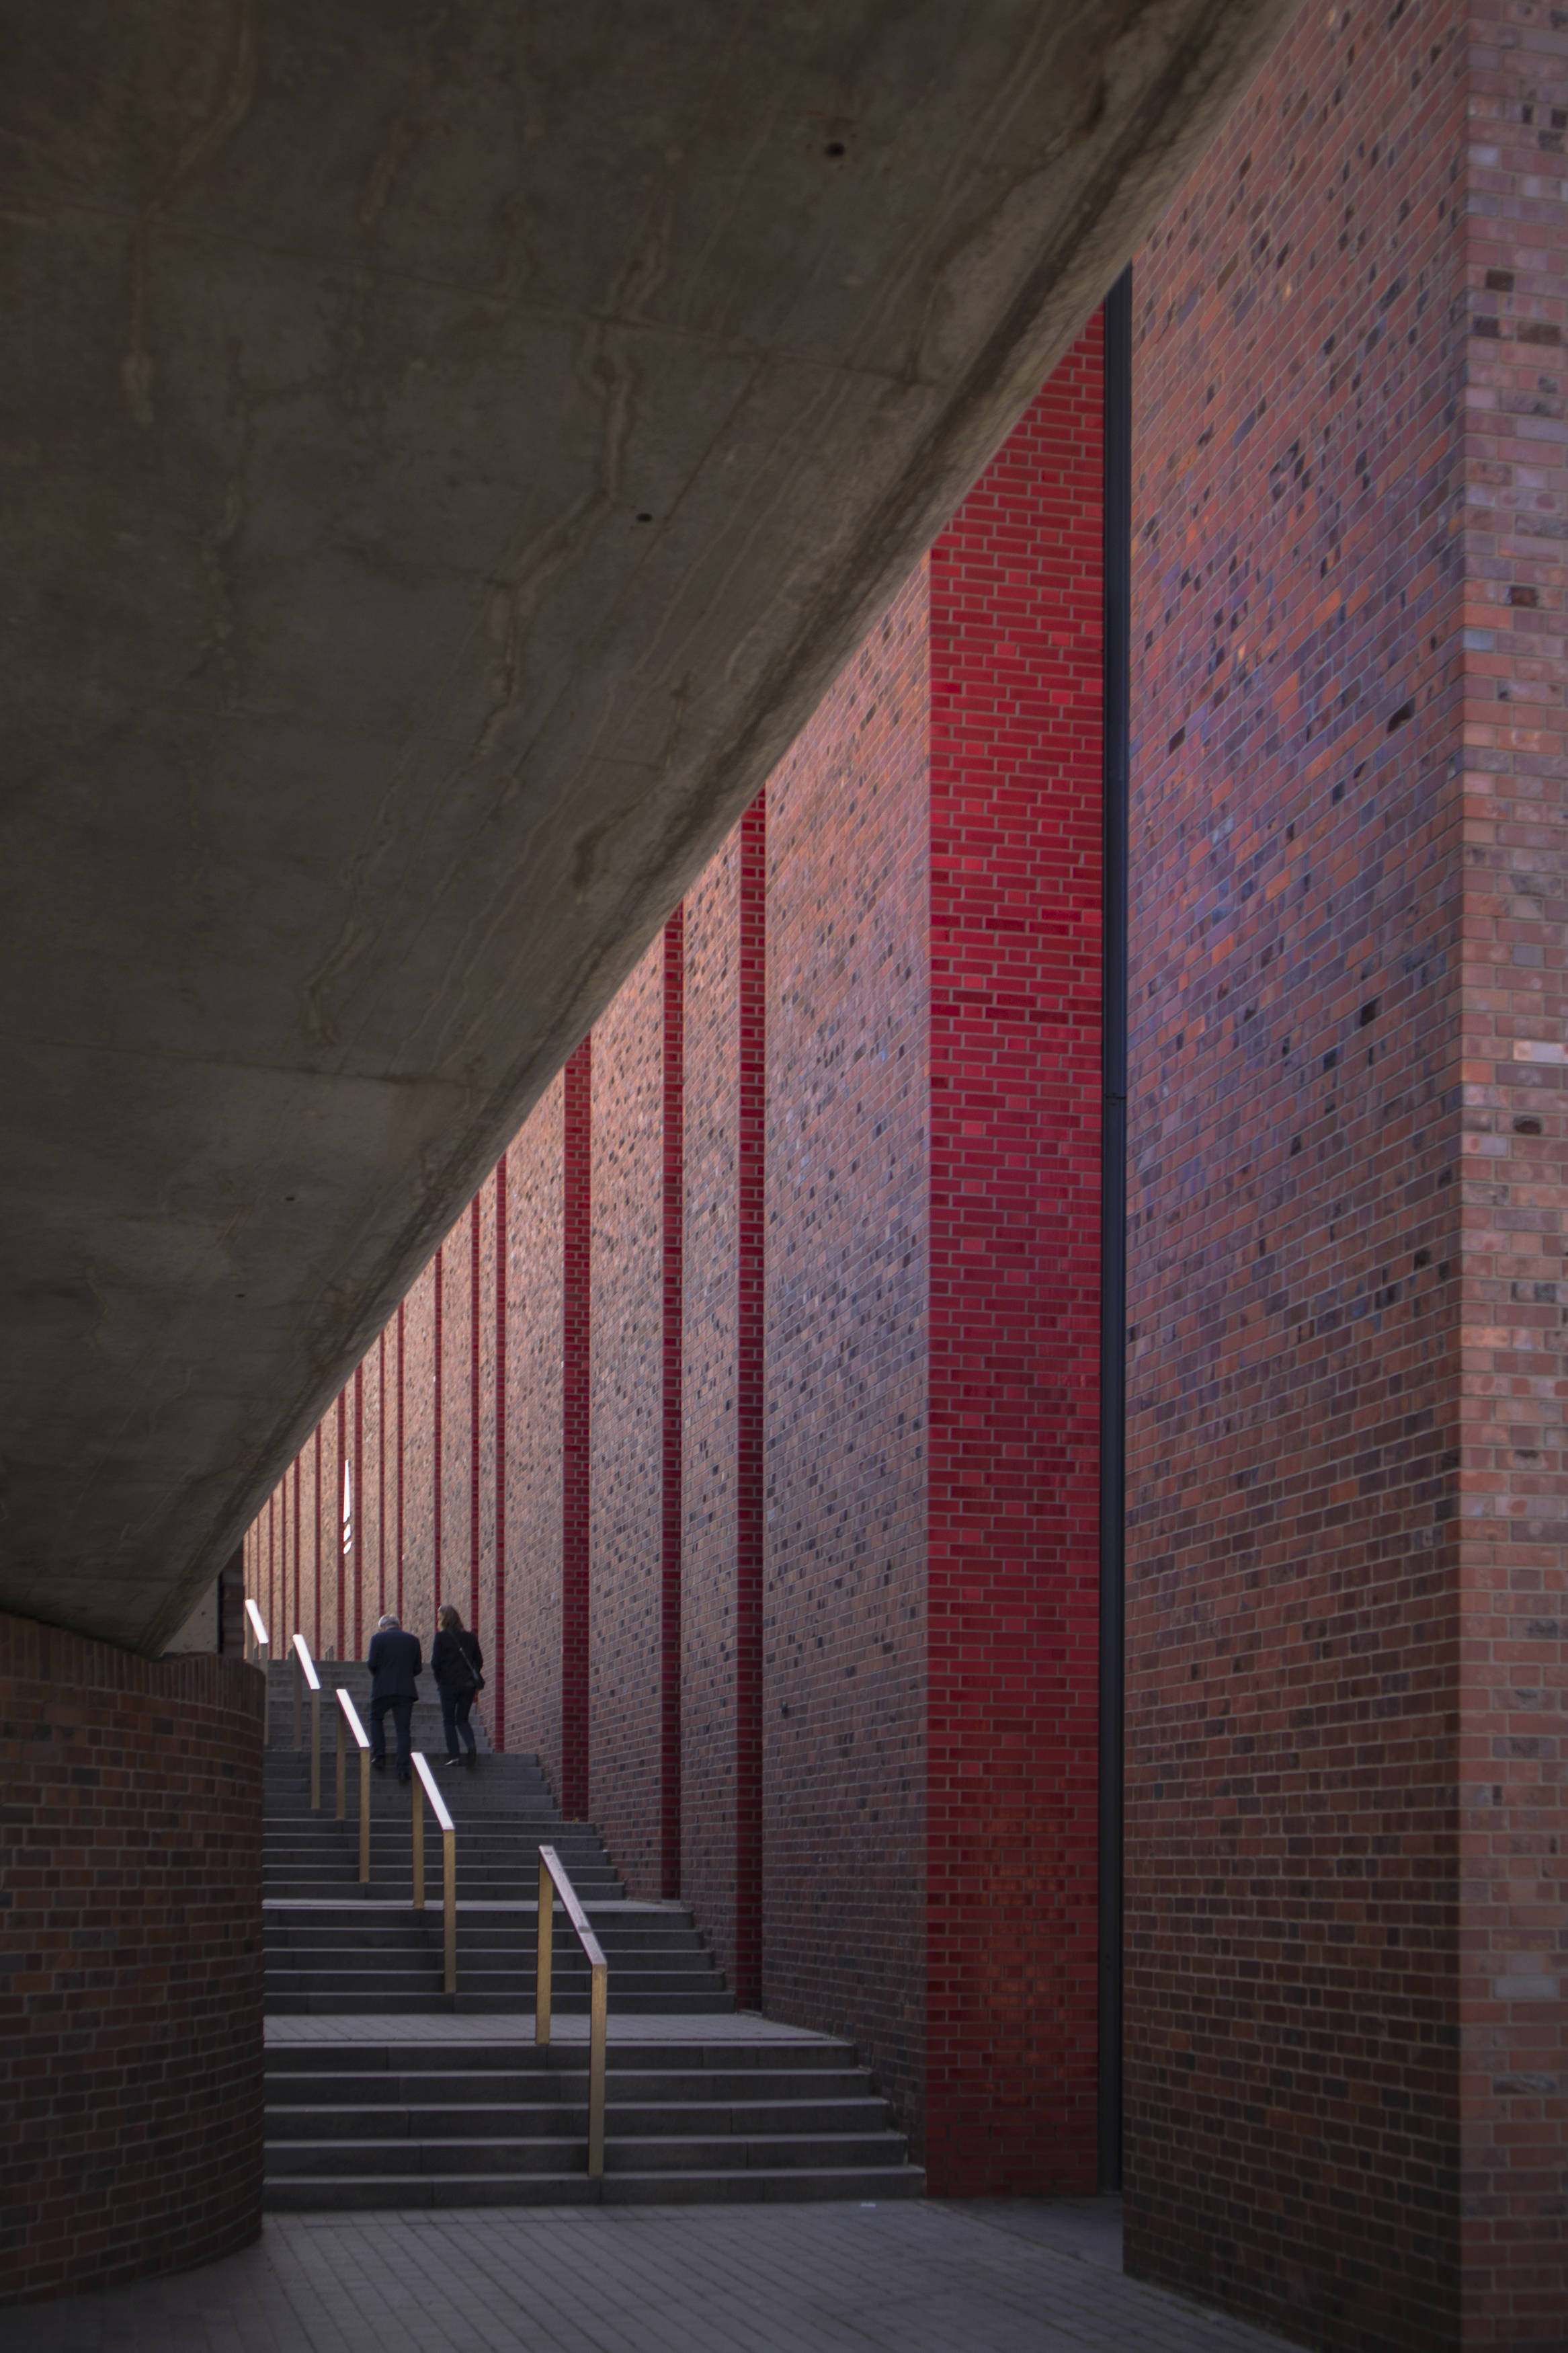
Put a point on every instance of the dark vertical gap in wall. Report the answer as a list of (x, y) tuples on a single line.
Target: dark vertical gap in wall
[(498, 1705), (400, 1310), (1118, 509), (575, 1356), (437, 1464), (748, 1411), (317, 1545), (272, 1627), (356, 1511), (473, 1415), (339, 1543), (673, 1338)]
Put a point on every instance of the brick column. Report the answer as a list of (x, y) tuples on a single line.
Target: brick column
[(129, 1962)]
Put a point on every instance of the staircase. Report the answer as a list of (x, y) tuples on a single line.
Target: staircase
[(390, 2117), (507, 2125)]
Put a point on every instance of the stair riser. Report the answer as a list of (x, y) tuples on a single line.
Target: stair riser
[(742, 2187)]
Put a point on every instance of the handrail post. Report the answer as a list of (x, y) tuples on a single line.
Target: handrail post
[(348, 1715), (306, 1677), (546, 1949), (342, 1739), (449, 1829), (298, 1703), (553, 1876), (418, 1793), (599, 2005), (257, 1646), (449, 1900)]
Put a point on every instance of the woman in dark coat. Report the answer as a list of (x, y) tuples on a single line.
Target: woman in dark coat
[(456, 1662)]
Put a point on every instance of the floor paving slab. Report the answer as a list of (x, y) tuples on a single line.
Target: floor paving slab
[(983, 2275)]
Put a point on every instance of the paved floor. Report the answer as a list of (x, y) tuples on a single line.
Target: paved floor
[(1001, 2275)]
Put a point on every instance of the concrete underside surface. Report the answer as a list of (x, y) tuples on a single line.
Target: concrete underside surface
[(448, 453)]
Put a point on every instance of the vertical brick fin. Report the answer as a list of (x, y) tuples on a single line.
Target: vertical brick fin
[(317, 1548), (474, 1413), (360, 1514), (576, 1279), (1513, 1219), (340, 1482), (751, 1226), (399, 1452), (299, 1625), (272, 1568), (672, 1236), (848, 1187), (437, 1400), (498, 1671), (1317, 2056), (380, 1477), (1016, 689)]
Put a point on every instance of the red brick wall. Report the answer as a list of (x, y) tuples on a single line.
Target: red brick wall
[(672, 1370), (129, 1962), (576, 1329), (626, 1502), (1016, 688), (1513, 1211), (710, 1456), (1297, 1360), (535, 1260), (750, 1283), (848, 1270)]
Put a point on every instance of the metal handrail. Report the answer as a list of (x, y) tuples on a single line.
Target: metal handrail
[(424, 1781), (306, 1678), (553, 1882), (348, 1720), (258, 1639)]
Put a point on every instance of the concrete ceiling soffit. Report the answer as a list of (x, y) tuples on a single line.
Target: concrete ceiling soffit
[(448, 453)]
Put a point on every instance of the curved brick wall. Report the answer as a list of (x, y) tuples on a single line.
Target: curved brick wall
[(129, 1962)]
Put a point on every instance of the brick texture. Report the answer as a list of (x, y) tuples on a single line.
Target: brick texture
[(1513, 1207), (534, 1511), (1345, 2075), (626, 1500), (672, 1367), (129, 1962), (847, 1274), (1013, 1576), (711, 1223), (576, 1327)]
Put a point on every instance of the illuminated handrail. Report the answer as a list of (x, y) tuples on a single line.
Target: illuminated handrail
[(258, 1639), (348, 1721), (424, 1786), (307, 1679), (553, 1882)]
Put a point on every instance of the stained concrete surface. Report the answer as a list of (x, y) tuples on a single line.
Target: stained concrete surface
[(448, 453)]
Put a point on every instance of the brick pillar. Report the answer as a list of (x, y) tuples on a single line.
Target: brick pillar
[(1346, 1536), (577, 1139), (131, 2044)]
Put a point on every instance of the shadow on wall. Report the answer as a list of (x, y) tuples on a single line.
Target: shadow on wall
[(131, 1961)]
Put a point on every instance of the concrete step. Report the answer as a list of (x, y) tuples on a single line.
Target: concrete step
[(405, 2125), (307, 2194), (512, 2004), (392, 2061)]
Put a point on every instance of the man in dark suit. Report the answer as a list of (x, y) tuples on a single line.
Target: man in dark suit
[(395, 1660)]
